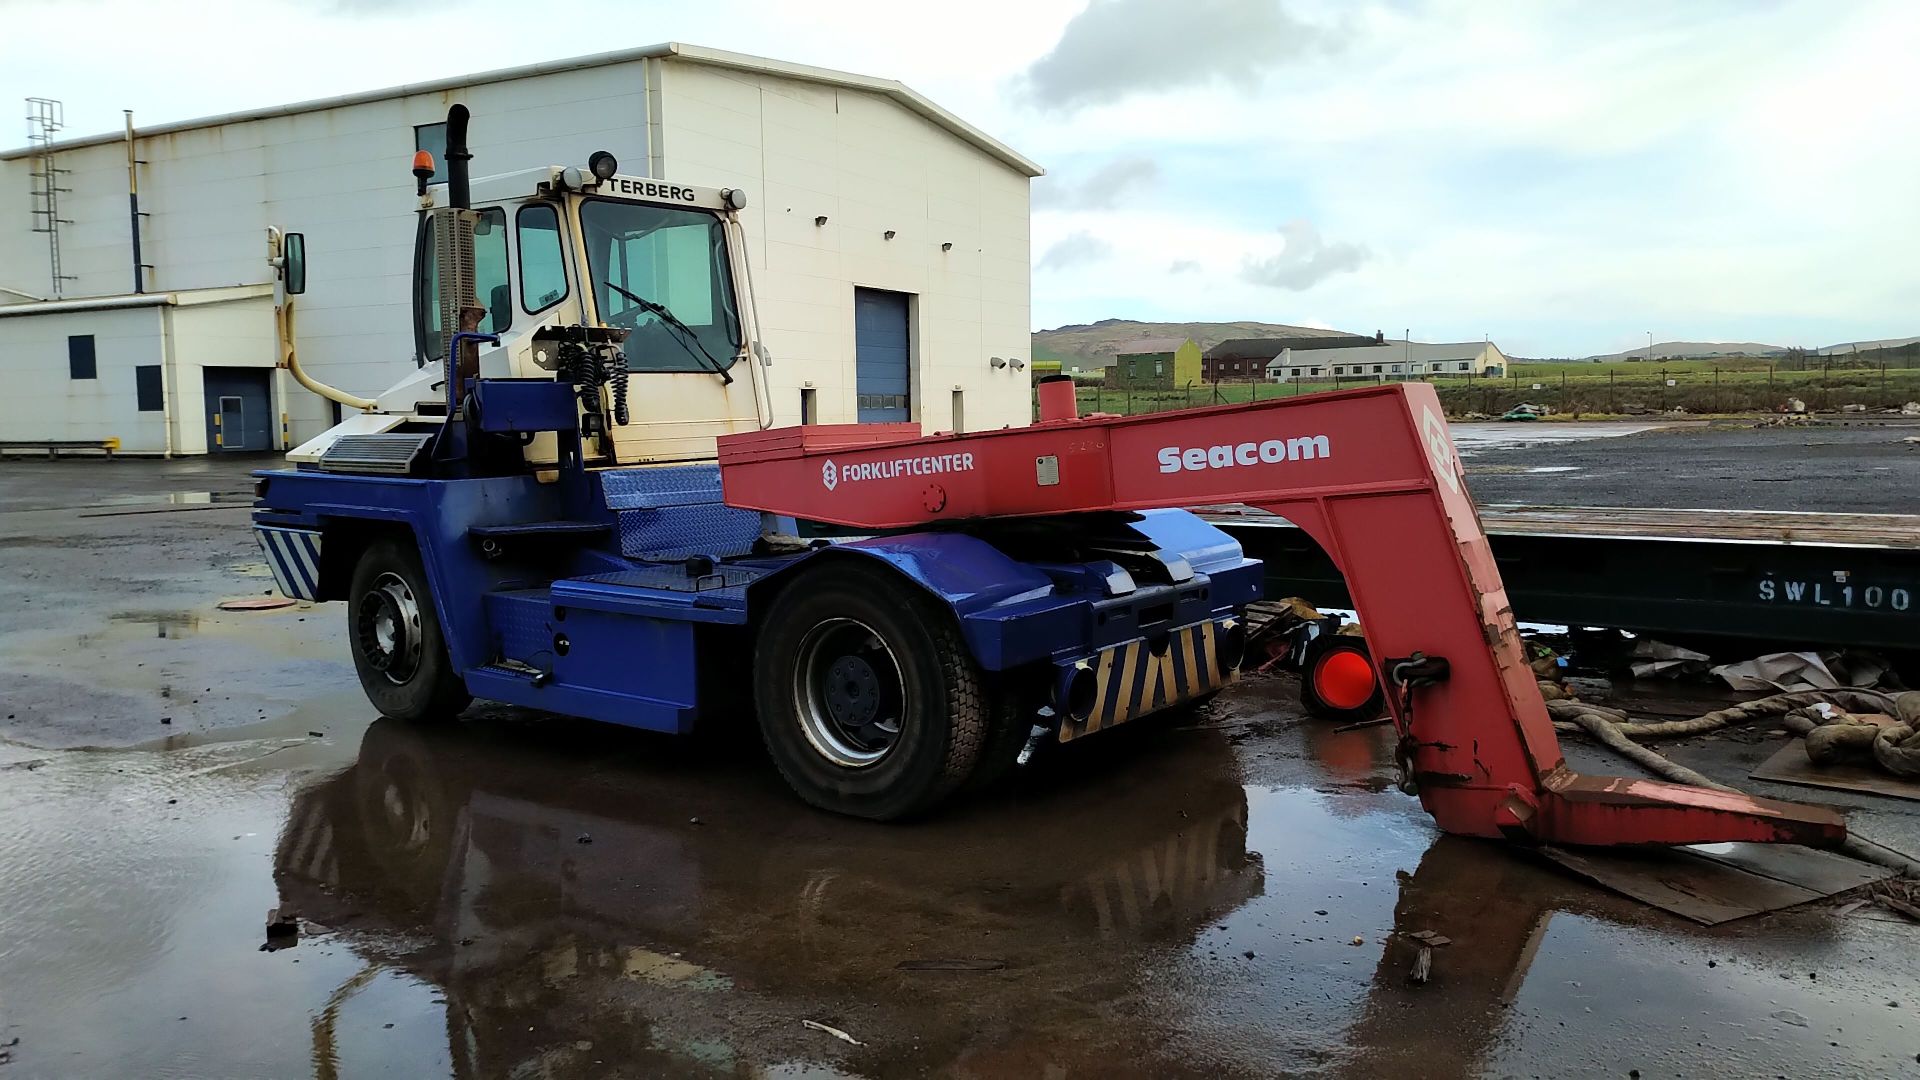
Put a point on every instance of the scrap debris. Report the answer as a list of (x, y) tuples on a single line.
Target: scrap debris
[(1901, 895), (833, 1031), (1789, 671), (283, 930)]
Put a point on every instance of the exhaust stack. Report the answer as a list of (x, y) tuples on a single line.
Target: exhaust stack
[(459, 193)]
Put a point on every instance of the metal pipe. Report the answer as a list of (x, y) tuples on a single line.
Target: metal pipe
[(133, 204), (167, 365), (1057, 399), (290, 359), (459, 192)]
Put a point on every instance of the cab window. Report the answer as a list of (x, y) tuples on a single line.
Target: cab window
[(669, 257), (543, 265), (490, 281)]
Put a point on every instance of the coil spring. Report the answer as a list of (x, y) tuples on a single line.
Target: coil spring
[(617, 371)]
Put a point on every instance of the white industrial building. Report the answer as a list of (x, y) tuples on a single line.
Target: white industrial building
[(1390, 360), (856, 185)]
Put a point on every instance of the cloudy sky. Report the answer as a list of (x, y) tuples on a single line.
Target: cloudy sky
[(1561, 176)]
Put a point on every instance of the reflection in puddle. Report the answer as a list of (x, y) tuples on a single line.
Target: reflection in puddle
[(176, 498), (165, 624), (500, 897), (567, 908)]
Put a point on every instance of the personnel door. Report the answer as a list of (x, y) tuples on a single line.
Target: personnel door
[(883, 356)]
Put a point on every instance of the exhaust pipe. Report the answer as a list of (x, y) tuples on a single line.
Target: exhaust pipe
[(459, 193), (1057, 401)]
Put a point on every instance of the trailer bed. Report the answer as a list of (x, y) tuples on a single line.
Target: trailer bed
[(1812, 579)]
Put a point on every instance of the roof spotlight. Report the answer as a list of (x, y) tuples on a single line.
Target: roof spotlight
[(602, 164)]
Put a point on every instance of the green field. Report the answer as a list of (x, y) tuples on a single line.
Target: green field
[(1740, 385)]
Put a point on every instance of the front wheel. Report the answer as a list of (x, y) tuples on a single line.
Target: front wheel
[(398, 648), (869, 700)]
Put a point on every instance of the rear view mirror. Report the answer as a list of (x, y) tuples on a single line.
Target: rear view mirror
[(293, 262)]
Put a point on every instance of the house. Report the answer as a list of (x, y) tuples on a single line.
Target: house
[(1155, 362), (888, 238), (1247, 358), (1390, 360)]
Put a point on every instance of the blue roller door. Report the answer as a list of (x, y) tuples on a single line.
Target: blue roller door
[(239, 409), (882, 355)]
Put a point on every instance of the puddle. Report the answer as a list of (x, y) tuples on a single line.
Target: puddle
[(1552, 468), (175, 498), (1472, 438), (163, 624), (516, 896), (155, 500)]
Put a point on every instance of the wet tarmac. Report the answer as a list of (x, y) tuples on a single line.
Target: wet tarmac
[(516, 895), (1854, 467)]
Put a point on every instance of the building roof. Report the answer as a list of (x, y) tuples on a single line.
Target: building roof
[(1268, 348), (907, 97), (1147, 346), (1393, 352)]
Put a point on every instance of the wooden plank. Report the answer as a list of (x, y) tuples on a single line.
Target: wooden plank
[(1791, 766), (1683, 883), (1823, 872)]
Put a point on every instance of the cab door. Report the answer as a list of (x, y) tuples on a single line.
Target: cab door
[(679, 259), (493, 289)]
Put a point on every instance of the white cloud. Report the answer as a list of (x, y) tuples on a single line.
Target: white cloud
[(1102, 189), (1077, 249), (1306, 261), (1122, 48)]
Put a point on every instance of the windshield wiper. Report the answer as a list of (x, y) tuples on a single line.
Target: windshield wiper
[(688, 339)]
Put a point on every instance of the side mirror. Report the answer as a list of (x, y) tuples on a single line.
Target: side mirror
[(293, 262)]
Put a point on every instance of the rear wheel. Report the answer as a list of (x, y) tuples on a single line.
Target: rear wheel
[(868, 698), (1009, 724), (1337, 680), (398, 648)]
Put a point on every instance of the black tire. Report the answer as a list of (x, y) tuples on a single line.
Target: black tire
[(1008, 728), (1330, 648), (868, 698), (402, 661)]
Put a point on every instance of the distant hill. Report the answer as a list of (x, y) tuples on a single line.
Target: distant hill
[(1707, 350), (1881, 343), (1694, 350), (1094, 342)]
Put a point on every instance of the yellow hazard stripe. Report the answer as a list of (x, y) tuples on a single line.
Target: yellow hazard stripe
[(1131, 680)]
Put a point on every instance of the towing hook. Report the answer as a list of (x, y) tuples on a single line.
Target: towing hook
[(1418, 670)]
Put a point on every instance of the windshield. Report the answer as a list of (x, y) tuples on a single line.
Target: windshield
[(674, 258)]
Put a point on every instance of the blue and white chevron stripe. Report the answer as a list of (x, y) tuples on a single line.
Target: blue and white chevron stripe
[(294, 557)]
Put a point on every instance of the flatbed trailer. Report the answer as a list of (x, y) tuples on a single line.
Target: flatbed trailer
[(1846, 580)]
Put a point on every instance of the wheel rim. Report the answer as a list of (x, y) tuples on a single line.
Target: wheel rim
[(387, 624), (849, 693)]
